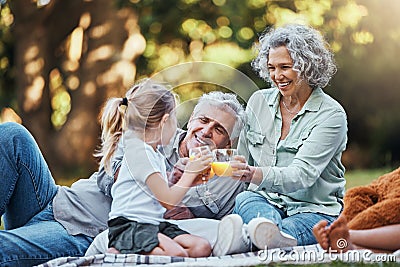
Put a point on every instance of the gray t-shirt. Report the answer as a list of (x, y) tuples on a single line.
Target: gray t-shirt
[(82, 208)]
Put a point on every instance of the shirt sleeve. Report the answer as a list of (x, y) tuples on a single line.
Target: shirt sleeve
[(105, 181), (142, 161)]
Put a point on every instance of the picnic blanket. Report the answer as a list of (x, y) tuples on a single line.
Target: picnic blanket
[(294, 255)]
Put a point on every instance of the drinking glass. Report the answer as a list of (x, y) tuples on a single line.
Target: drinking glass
[(221, 161), (198, 152)]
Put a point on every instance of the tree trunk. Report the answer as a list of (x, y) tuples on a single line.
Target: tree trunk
[(42, 38)]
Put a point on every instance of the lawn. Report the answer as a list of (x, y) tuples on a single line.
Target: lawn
[(363, 177)]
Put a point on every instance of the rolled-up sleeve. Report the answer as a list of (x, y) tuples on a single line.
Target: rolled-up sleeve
[(104, 180)]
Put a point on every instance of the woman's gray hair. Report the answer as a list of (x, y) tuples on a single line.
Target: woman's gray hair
[(227, 102), (310, 53)]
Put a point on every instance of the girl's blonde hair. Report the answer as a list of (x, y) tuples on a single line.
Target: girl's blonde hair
[(143, 107)]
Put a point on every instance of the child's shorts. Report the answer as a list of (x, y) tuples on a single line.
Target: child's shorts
[(133, 237)]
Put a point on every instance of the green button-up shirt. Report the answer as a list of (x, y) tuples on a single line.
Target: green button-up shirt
[(303, 172)]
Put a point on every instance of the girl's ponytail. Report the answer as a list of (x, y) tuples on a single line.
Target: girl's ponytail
[(112, 124)]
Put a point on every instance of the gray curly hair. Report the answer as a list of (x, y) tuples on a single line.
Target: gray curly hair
[(310, 53)]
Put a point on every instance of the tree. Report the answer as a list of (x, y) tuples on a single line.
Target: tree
[(70, 56), (63, 60)]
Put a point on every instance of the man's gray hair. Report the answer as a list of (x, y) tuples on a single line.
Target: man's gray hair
[(227, 102)]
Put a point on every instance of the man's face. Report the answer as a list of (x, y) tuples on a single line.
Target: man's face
[(210, 126)]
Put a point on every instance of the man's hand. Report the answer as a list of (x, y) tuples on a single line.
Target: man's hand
[(178, 213), (177, 171)]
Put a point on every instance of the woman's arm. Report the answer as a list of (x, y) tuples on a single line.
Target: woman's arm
[(326, 140)]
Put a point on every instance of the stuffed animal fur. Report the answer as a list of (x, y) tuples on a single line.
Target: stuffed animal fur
[(374, 205)]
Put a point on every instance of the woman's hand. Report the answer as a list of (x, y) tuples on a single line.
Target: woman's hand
[(241, 170)]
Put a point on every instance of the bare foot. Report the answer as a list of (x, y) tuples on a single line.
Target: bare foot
[(113, 251), (339, 237), (320, 232)]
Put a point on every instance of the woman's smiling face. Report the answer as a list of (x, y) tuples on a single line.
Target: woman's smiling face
[(280, 67)]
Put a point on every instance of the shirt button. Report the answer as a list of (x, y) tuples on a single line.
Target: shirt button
[(263, 189)]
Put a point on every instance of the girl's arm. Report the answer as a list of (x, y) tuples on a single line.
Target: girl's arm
[(171, 196)]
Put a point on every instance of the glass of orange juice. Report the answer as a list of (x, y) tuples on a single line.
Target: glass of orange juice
[(197, 152), (221, 161)]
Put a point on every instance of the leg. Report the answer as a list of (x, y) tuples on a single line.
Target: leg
[(264, 221), (250, 205), (40, 240), (300, 226), (195, 246), (380, 239), (26, 184), (202, 227), (168, 247)]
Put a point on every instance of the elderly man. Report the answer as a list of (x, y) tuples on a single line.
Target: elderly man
[(216, 121)]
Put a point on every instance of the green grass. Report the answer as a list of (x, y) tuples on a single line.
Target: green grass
[(363, 177)]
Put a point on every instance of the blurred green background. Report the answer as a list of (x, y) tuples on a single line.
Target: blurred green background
[(59, 62)]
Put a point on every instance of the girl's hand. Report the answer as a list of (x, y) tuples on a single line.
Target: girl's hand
[(241, 170), (199, 164)]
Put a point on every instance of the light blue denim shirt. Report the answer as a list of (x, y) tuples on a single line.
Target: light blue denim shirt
[(303, 172)]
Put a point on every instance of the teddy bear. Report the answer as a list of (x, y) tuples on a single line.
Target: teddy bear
[(376, 204)]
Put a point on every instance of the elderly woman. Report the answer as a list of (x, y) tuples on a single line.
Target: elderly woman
[(293, 142)]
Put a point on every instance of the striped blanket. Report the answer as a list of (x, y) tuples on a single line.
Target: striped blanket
[(294, 255)]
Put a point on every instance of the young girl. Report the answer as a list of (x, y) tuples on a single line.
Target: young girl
[(141, 193)]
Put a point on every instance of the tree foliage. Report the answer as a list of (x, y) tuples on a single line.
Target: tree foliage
[(59, 63)]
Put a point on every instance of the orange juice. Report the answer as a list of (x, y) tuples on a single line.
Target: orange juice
[(222, 168), (212, 173)]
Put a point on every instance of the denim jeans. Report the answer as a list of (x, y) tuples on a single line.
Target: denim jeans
[(27, 188), (251, 205)]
